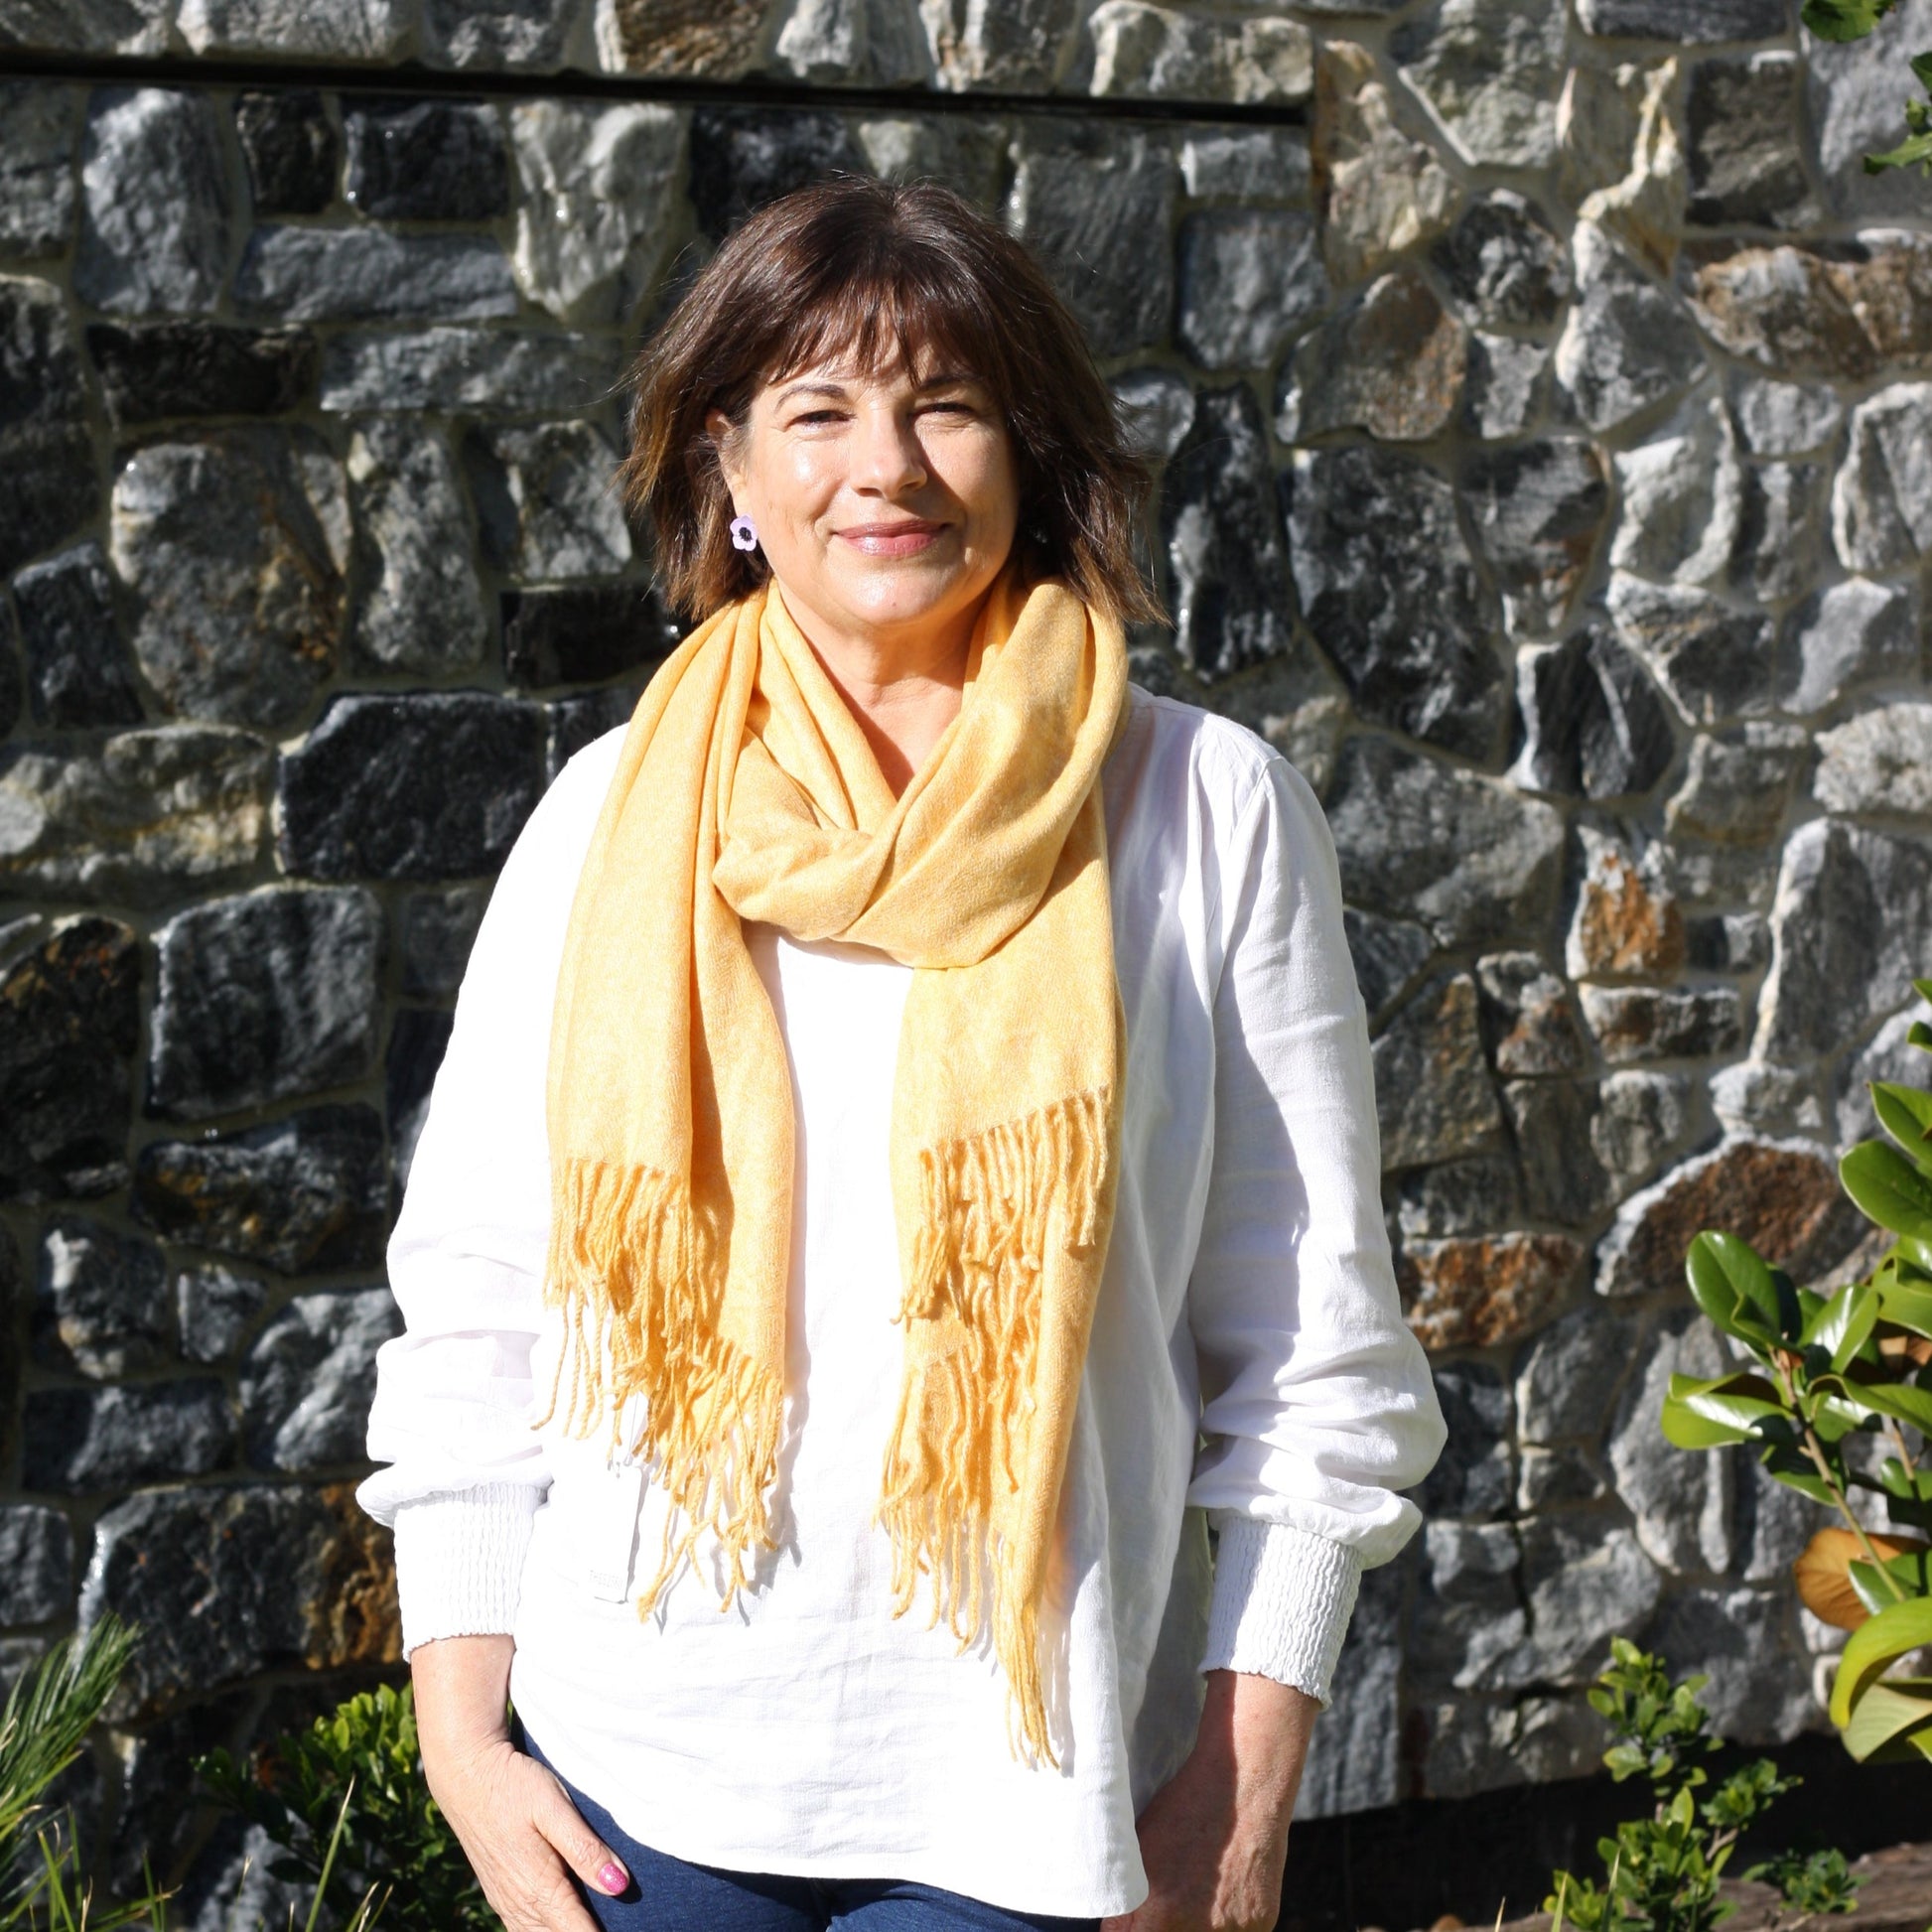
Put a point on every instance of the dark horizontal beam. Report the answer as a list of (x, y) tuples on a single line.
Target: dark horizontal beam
[(409, 77)]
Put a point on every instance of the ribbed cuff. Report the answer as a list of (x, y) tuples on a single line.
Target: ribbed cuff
[(460, 1561), (1283, 1598)]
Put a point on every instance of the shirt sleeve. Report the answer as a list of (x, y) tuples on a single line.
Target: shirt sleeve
[(455, 1393), (1318, 1404)]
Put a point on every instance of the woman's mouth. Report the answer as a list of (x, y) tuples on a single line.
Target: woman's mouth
[(901, 537)]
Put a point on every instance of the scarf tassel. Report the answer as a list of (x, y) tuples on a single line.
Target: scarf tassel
[(638, 1274), (991, 1202)]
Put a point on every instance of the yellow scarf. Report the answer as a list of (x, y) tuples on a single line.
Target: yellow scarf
[(746, 790)]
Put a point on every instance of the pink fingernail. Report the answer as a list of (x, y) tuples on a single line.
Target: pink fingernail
[(614, 1878)]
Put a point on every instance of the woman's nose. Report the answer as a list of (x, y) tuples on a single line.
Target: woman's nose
[(888, 458)]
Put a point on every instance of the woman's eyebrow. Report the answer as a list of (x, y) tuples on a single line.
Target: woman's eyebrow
[(810, 389)]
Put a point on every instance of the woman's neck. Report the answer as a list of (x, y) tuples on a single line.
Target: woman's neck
[(903, 686)]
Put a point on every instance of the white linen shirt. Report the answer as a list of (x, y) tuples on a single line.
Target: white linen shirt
[(1249, 1365)]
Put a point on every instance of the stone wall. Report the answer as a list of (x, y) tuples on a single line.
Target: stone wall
[(1542, 468)]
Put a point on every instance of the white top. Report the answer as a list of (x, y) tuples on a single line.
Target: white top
[(1249, 1366)]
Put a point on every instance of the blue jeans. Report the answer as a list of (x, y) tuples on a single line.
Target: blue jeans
[(668, 1895)]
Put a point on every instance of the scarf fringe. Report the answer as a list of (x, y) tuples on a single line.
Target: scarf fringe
[(990, 1203), (637, 1273)]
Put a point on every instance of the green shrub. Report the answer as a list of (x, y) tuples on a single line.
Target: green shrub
[(345, 1804), (1662, 1872)]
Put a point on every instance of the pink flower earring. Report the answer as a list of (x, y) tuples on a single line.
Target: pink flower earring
[(744, 534)]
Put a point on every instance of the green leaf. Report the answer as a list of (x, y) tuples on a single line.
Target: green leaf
[(1844, 20), (1732, 1285), (1906, 1304), (1922, 67), (1914, 153), (1903, 1401), (1887, 1188), (1888, 1636), (1923, 988), (1796, 1471), (1725, 1409), (1885, 1717), (1905, 1113), (1919, 1034), (1844, 1323)]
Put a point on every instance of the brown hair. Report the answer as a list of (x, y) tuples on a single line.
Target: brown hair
[(884, 273)]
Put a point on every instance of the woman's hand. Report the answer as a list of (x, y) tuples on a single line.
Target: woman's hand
[(514, 1820), (1215, 1838)]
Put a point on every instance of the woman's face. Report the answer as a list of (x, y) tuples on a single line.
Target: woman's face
[(883, 503)]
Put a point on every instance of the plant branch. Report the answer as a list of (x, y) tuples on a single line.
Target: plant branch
[(1821, 1463)]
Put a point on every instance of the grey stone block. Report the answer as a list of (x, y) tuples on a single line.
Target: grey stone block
[(498, 33), (1459, 1199), (1592, 721), (354, 30), (70, 1019), (1475, 1476), (100, 1300), (372, 275), (291, 148), (1758, 1685), (1395, 362), (1504, 264), (743, 157), (1250, 279), (1389, 586), (1222, 539), (77, 669), (1844, 635), (1714, 659), (38, 126), (1739, 784), (1083, 197), (425, 159), (1882, 501), (215, 1307), (303, 1195), (36, 1564), (83, 1439), (309, 1378), (265, 997), (1156, 408), (1473, 860), (233, 544), (548, 501), (1537, 510), (1491, 71), (1784, 419), (155, 212), (427, 785), (418, 602), (151, 370), (1249, 164), (1435, 1099), (469, 369), (1628, 343), (1387, 954), (145, 818), (1666, 20)]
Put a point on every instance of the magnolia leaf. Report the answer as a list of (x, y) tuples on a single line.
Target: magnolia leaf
[(1919, 1034), (1732, 1285), (1727, 1409), (1887, 1715), (1844, 20), (1887, 1188), (1906, 1304), (1923, 988), (1844, 1323), (1922, 67), (1821, 1574), (1902, 1401), (1905, 1113), (1791, 1466), (1888, 1636)]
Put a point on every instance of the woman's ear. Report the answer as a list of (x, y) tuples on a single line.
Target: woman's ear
[(724, 439)]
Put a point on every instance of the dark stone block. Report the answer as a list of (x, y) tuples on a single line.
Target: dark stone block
[(1745, 165), (438, 931), (1474, 1477), (80, 1440), (40, 371), (301, 1194), (582, 720), (1391, 592), (1593, 724), (36, 1564), (1388, 954), (163, 1803), (1537, 508), (48, 489), (1504, 264), (1472, 1196), (155, 370), (77, 669), (424, 785), (229, 1580), (426, 161), (1671, 20), (309, 1380), (583, 633), (415, 1046), (215, 1306), (1095, 203), (69, 1021), (1222, 539), (100, 1300), (264, 997), (291, 150), (743, 157), (1562, 1180)]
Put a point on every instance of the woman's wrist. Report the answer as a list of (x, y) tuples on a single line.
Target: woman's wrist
[(462, 1699), (1257, 1732)]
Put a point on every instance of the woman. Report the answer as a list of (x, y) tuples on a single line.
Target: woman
[(904, 1163)]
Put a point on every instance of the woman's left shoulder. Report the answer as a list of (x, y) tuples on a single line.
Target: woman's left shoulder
[(1173, 755)]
